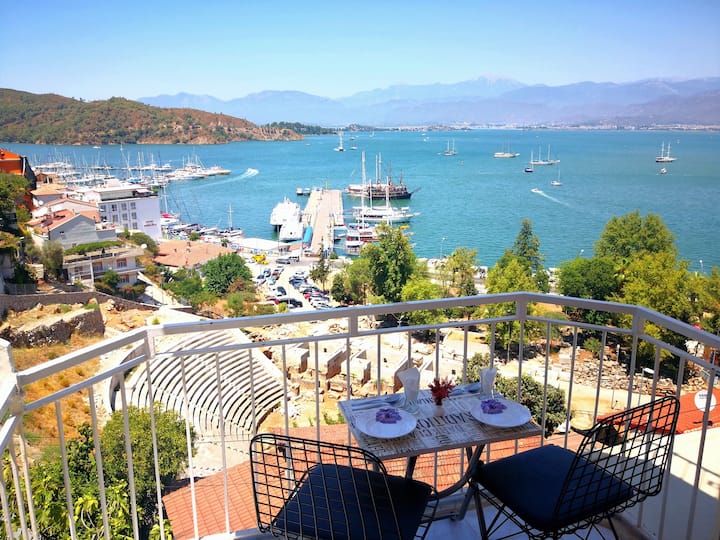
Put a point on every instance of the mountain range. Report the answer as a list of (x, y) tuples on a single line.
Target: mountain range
[(482, 101)]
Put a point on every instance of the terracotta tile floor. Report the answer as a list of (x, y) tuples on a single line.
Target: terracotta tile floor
[(209, 492)]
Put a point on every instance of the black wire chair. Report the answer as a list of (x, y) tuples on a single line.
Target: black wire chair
[(314, 489), (551, 491)]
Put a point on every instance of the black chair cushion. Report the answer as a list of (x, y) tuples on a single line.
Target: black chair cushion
[(335, 501), (530, 484)]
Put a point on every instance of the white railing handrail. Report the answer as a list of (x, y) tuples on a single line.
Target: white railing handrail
[(143, 342)]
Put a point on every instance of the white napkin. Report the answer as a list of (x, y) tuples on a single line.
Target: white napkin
[(487, 378), (410, 379)]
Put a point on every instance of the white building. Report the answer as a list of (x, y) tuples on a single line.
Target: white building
[(126, 206), (90, 267)]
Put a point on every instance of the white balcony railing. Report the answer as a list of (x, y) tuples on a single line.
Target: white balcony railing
[(230, 378)]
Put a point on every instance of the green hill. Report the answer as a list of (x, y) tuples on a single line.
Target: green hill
[(53, 119)]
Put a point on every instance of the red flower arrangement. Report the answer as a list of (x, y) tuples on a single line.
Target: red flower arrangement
[(440, 389)]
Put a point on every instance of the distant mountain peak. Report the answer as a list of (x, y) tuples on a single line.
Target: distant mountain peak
[(486, 100)]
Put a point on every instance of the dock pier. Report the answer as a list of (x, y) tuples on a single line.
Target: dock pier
[(323, 212)]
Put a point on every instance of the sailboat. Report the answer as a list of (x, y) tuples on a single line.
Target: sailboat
[(541, 161), (450, 151), (664, 157), (529, 168), (340, 147), (506, 153), (557, 181), (383, 213)]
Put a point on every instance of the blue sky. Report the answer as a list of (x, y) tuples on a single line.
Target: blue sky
[(228, 49)]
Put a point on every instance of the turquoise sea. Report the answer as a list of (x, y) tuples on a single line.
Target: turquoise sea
[(471, 199)]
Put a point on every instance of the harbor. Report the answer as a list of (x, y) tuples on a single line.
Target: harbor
[(472, 200)]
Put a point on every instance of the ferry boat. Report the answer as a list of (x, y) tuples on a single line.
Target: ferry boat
[(383, 214), (284, 211)]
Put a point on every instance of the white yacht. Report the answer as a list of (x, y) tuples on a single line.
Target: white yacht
[(291, 231), (285, 211), (383, 214)]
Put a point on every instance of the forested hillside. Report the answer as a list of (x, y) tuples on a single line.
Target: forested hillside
[(53, 119)]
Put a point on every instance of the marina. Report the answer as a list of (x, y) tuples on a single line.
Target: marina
[(477, 202)]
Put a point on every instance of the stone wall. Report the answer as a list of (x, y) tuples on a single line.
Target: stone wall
[(24, 302), (56, 329)]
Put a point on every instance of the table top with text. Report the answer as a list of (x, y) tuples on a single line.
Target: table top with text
[(438, 428)]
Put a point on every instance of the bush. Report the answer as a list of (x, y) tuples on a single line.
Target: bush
[(104, 288), (140, 238), (82, 249)]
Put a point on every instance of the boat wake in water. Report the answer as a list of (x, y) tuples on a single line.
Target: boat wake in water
[(553, 199), (249, 173)]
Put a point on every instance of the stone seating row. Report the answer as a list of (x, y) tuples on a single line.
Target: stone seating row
[(248, 384)]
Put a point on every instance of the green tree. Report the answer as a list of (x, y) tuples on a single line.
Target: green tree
[(709, 299), (111, 279), (391, 262), (222, 271), (184, 283), (475, 364), (510, 274), (527, 249), (527, 246), (530, 394), (320, 271), (171, 447), (52, 256), (588, 278), (630, 235), (659, 282), (12, 190), (353, 284), (418, 288), (23, 274), (458, 272)]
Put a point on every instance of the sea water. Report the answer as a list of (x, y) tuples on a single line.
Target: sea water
[(468, 200)]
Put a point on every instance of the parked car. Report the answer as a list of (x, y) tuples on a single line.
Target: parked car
[(281, 290), (291, 302), (283, 260)]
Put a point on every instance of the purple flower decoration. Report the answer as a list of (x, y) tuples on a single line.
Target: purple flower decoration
[(387, 415), (492, 406)]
